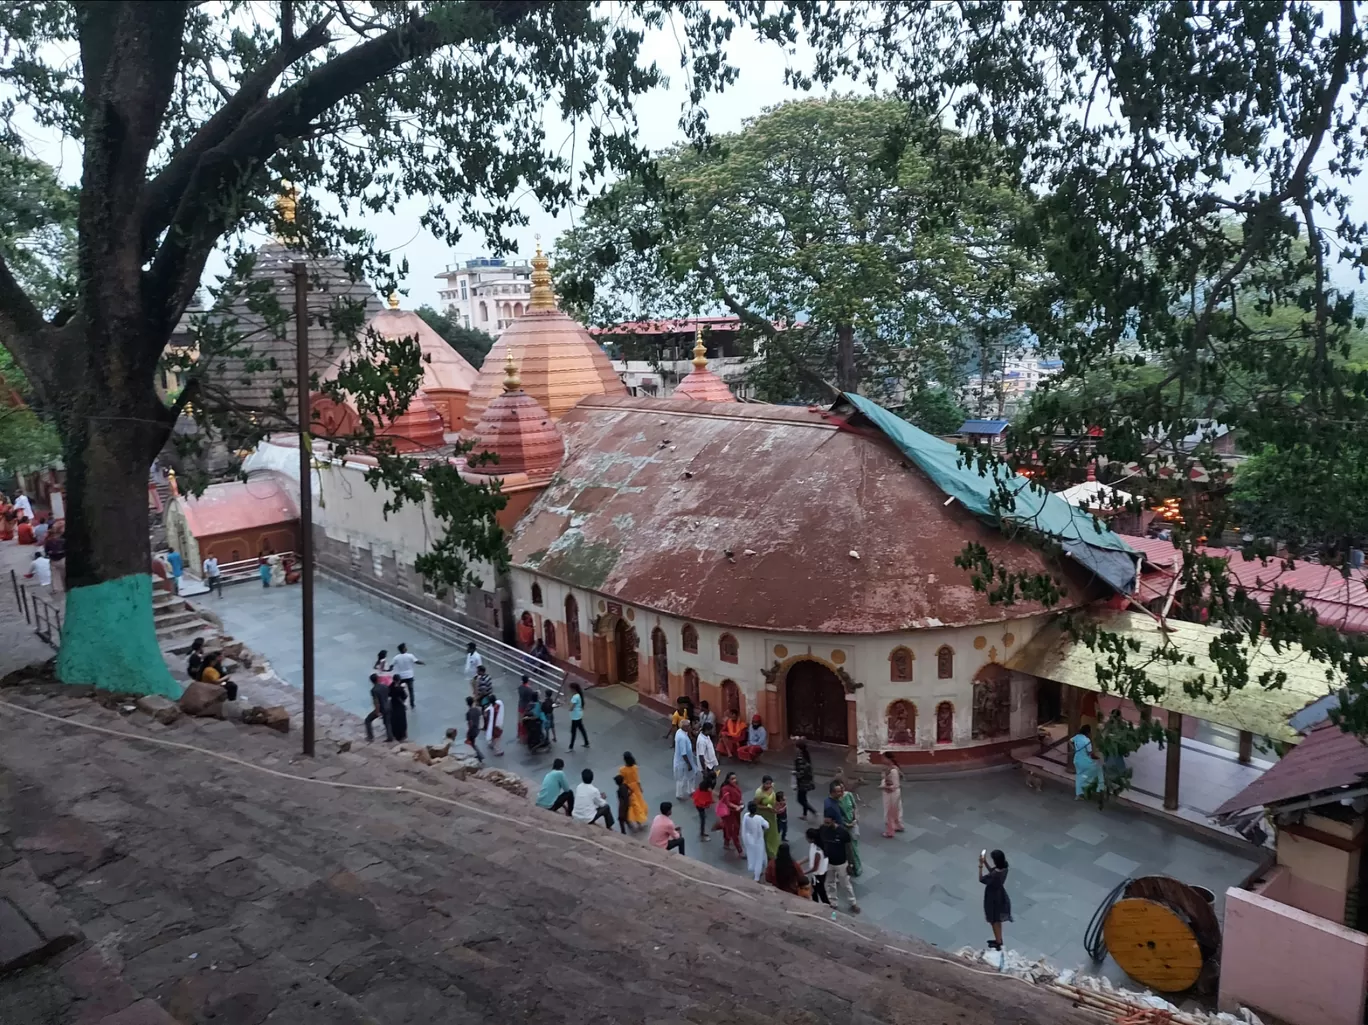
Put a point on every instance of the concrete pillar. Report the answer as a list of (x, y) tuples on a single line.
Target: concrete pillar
[(1175, 755), (1246, 747)]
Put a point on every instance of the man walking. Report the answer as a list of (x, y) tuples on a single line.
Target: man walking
[(891, 788), (835, 841), (473, 660), (380, 708), (685, 762), (211, 575), (474, 718), (707, 753), (753, 841), (402, 667)]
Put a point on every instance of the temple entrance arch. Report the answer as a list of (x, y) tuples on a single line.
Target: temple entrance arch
[(625, 646), (815, 702), (992, 716)]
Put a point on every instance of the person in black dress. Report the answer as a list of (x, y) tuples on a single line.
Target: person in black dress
[(997, 906), (398, 713)]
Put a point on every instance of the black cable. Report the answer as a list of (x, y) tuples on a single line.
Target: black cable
[(1093, 940)]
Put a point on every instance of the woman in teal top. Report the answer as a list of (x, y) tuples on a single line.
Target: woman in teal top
[(577, 715), (1087, 768)]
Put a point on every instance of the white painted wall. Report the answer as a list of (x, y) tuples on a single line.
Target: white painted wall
[(866, 659)]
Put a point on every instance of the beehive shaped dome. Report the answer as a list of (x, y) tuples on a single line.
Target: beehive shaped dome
[(702, 385), (418, 429), (517, 430), (558, 362)]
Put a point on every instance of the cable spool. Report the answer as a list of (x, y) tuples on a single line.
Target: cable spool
[(1162, 933)]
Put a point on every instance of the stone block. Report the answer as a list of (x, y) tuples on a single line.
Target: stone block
[(164, 710), (20, 943), (38, 903), (144, 1012), (203, 700), (275, 717)]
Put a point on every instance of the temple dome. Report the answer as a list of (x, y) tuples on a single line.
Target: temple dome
[(559, 363), (418, 429), (516, 429), (702, 385), (443, 366)]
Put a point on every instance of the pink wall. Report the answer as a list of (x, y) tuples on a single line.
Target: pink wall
[(1290, 964)]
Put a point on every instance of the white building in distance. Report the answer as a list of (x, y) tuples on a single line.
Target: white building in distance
[(487, 293)]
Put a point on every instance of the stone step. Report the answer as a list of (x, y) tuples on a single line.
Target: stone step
[(173, 617)]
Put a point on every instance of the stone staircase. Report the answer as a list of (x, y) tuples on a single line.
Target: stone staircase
[(214, 893)]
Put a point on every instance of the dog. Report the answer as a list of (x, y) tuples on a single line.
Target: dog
[(1034, 782)]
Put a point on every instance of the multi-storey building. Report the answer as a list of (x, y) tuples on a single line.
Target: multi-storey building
[(487, 293)]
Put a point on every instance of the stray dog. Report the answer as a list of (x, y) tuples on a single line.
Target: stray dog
[(1033, 781)]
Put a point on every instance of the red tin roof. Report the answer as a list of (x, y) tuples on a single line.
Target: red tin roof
[(654, 493), (238, 505), (1327, 759)]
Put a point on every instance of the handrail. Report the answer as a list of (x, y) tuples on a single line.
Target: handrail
[(47, 621), (496, 653)]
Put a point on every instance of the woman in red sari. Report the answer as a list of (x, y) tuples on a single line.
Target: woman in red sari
[(732, 735), (729, 805), (6, 520)]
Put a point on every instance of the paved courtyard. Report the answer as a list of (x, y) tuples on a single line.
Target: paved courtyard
[(1065, 856)]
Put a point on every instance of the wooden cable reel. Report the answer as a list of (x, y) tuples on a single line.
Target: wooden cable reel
[(1162, 933)]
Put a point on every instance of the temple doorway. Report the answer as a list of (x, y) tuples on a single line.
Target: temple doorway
[(625, 647), (992, 714), (816, 703)]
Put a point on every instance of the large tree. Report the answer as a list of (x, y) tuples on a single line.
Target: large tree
[(859, 244), (1195, 163), (187, 117)]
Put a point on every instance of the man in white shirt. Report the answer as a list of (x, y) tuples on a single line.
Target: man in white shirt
[(22, 505), (211, 575), (707, 753), (473, 660), (41, 570), (685, 766), (402, 667), (591, 805)]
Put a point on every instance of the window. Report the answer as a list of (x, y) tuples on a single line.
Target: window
[(465, 319), (945, 723), (464, 293), (572, 634), (691, 686), (728, 649), (900, 665), (690, 641), (484, 312), (536, 594), (731, 697), (549, 634), (902, 723), (945, 662)]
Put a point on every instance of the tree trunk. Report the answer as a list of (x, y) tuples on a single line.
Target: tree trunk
[(110, 438), (846, 377)]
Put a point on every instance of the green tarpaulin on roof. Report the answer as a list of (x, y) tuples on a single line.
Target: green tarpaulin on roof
[(1077, 531)]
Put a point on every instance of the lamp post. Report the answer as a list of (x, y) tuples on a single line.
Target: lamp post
[(301, 282)]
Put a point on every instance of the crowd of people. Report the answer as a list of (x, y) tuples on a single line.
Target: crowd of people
[(20, 524)]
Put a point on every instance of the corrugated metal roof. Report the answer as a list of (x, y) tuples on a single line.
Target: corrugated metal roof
[(238, 505), (983, 426), (1340, 602), (1327, 759), (1054, 654), (653, 493)]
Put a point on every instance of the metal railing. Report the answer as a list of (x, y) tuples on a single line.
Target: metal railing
[(21, 597), (496, 654), (47, 621)]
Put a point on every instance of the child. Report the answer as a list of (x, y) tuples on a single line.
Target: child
[(781, 815), (703, 800), (548, 710), (624, 796)]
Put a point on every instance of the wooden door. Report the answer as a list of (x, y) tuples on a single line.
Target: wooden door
[(816, 704), (625, 640)]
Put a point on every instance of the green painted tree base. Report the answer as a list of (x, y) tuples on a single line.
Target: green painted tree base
[(110, 641)]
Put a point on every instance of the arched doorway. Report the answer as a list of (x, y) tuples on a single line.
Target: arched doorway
[(816, 703), (660, 661), (625, 643), (691, 687), (992, 716)]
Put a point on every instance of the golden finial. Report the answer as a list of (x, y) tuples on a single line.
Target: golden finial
[(543, 298), (393, 300), (286, 204), (700, 360), (512, 382)]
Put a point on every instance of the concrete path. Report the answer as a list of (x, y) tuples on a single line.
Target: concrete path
[(1065, 856), (210, 893)]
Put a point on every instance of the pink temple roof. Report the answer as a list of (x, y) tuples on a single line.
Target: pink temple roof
[(260, 501)]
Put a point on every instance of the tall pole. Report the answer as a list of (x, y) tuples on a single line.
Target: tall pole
[(305, 497)]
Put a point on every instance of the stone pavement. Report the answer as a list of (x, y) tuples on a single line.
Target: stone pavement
[(209, 892), (1065, 856)]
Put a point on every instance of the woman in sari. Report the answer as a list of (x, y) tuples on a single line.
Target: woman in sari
[(849, 819), (1087, 767), (636, 806), (729, 807), (764, 804), (6, 519), (733, 733)]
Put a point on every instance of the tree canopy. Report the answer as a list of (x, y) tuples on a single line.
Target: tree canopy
[(858, 244), (472, 343)]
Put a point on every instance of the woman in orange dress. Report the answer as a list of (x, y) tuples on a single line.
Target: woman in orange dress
[(6, 521), (636, 805), (733, 734)]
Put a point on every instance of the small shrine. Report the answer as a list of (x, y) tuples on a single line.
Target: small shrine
[(702, 385)]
